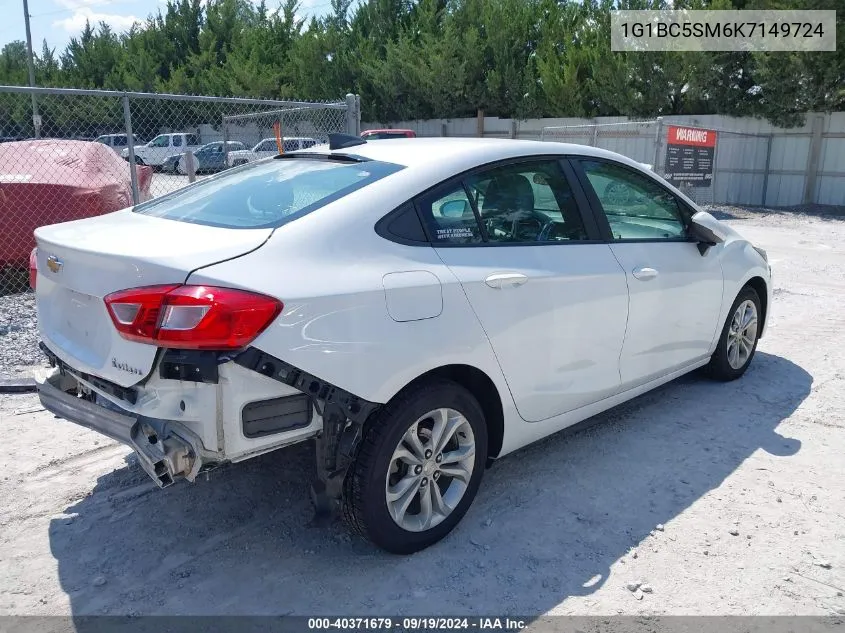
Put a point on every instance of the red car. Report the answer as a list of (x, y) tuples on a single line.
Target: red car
[(370, 135), (49, 181)]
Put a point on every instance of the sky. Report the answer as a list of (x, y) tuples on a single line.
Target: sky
[(59, 20)]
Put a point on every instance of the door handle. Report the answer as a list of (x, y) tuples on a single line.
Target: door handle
[(505, 280), (644, 273)]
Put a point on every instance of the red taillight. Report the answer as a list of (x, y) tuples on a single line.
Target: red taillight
[(33, 267), (191, 317)]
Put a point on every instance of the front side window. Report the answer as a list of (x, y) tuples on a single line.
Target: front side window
[(266, 194), (266, 146), (636, 207), (290, 145), (193, 139), (160, 141)]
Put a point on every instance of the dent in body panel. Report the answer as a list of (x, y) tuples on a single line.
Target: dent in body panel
[(412, 295)]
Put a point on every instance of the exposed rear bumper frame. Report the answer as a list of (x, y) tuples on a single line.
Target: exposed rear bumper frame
[(344, 415), (163, 453)]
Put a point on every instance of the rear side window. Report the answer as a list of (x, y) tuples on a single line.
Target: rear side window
[(526, 202), (290, 145), (450, 217), (266, 194), (119, 141), (177, 141)]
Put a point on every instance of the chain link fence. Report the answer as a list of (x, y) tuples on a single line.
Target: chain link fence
[(68, 154)]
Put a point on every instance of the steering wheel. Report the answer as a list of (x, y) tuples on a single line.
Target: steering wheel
[(497, 221), (573, 232)]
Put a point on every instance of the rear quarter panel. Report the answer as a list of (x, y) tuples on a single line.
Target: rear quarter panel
[(328, 269)]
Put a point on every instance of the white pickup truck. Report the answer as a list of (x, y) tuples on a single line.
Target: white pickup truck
[(157, 150)]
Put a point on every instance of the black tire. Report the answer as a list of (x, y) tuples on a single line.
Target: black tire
[(365, 506), (719, 367)]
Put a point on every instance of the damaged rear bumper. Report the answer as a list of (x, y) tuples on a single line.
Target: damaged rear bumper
[(164, 451)]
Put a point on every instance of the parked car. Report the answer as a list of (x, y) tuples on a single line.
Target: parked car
[(268, 147), (162, 146), (373, 135), (49, 181), (417, 308), (118, 141), (208, 158)]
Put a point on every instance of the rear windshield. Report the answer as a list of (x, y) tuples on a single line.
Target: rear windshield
[(266, 194)]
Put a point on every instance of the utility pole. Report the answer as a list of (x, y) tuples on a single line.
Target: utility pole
[(36, 118)]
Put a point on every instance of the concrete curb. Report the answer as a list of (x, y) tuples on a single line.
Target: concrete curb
[(17, 385)]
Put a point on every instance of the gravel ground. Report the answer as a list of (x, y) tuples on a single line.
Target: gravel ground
[(18, 335), (703, 498)]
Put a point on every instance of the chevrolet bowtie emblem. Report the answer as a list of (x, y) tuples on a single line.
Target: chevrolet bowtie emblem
[(54, 264)]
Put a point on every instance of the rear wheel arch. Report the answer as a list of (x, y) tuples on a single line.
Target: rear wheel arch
[(482, 387)]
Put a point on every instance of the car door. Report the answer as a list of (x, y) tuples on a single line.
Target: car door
[(158, 150), (675, 291), (550, 296)]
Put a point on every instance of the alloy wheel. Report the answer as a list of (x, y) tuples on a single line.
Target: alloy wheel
[(430, 470), (742, 334)]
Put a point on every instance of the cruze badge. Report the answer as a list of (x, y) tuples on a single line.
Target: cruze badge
[(54, 264)]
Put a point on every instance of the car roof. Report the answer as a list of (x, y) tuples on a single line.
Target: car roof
[(464, 153), (433, 160)]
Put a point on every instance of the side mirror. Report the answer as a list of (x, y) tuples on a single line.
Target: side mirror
[(707, 231), (454, 209)]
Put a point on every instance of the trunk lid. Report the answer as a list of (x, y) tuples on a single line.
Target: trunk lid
[(91, 258)]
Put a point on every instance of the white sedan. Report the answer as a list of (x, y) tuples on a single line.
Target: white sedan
[(268, 147), (418, 308)]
